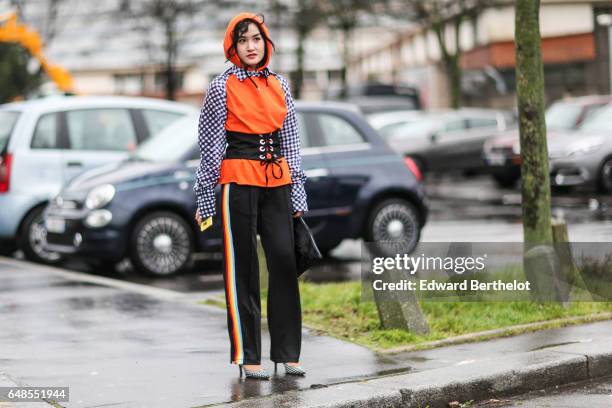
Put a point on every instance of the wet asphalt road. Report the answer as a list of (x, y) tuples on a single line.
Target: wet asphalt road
[(461, 210), (116, 343), (135, 348)]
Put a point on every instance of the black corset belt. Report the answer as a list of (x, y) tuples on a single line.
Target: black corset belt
[(264, 147)]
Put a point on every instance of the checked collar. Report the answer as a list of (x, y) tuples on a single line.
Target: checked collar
[(242, 73)]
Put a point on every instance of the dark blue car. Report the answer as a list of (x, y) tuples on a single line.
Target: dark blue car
[(144, 207)]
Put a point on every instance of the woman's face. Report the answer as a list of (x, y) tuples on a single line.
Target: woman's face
[(250, 46)]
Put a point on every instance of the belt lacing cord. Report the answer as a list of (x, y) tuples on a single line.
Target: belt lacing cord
[(251, 79), (253, 82), (268, 158)]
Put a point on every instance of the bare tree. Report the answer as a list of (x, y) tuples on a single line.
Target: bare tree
[(439, 15), (344, 16), (51, 26), (305, 18), (167, 16), (47, 21), (302, 16)]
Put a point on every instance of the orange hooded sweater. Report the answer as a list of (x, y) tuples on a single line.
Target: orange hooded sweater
[(247, 101)]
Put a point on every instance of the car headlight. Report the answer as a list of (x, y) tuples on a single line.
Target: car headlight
[(98, 218), (583, 147), (100, 196)]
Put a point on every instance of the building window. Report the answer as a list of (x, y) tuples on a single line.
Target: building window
[(129, 83), (160, 81)]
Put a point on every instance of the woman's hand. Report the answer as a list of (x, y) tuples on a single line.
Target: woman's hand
[(298, 214), (203, 223)]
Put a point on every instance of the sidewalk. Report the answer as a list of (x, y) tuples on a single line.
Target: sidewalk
[(490, 369), (128, 345)]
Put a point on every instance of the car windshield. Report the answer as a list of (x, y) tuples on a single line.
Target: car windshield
[(563, 115), (601, 120), (7, 122), (172, 143)]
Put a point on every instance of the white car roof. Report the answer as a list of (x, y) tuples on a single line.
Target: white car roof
[(55, 103)]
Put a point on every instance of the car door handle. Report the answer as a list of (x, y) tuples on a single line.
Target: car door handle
[(74, 164), (314, 173)]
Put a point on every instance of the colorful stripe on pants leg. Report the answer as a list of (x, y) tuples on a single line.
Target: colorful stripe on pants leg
[(230, 279)]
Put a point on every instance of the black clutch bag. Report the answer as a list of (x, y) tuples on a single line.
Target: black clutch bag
[(306, 251)]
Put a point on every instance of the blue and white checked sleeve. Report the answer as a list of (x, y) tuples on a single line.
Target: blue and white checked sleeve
[(290, 148), (212, 143)]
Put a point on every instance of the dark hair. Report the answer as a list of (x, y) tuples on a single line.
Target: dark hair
[(241, 28)]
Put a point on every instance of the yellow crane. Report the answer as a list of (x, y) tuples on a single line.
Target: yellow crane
[(14, 32)]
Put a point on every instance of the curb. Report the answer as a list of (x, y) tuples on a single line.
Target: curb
[(501, 332), (511, 375)]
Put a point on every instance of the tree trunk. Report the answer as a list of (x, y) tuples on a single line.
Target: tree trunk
[(451, 64), (171, 49), (453, 71), (346, 32), (299, 72), (534, 152)]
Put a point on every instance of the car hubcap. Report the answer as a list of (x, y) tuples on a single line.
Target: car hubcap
[(38, 240), (395, 223), (163, 245), (395, 229)]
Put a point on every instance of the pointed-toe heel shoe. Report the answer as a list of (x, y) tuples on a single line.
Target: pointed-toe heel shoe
[(292, 370), (257, 375)]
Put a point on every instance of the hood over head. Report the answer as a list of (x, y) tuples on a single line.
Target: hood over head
[(227, 41)]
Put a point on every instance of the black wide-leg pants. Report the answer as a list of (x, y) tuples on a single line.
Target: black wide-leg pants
[(246, 211)]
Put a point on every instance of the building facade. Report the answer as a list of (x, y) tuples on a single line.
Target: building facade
[(575, 52)]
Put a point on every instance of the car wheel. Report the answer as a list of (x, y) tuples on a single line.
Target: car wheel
[(161, 244), (33, 238), (605, 176), (394, 223)]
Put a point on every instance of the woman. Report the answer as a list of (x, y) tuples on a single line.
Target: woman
[(249, 108)]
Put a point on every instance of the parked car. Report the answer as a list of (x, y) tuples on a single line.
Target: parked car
[(584, 157), (46, 142), (502, 153), (143, 208), (445, 141), (387, 122), (372, 97)]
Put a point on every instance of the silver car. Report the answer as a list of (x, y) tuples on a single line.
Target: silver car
[(44, 143), (387, 122), (445, 140), (584, 157), (502, 153)]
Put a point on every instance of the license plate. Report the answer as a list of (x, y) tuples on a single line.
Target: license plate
[(55, 225), (497, 160)]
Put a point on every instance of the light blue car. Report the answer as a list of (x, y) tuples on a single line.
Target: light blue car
[(44, 143)]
